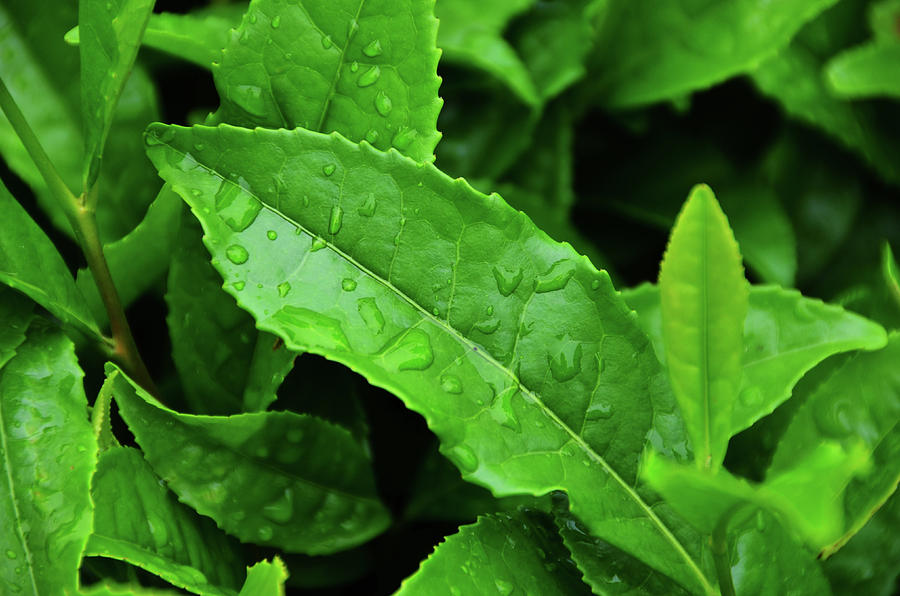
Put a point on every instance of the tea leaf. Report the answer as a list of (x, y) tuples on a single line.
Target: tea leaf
[(265, 579)]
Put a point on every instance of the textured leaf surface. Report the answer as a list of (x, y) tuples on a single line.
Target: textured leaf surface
[(265, 579), (139, 259), (366, 68), (652, 52), (785, 335), (197, 37), (500, 553), (511, 383), (273, 478), (866, 71), (860, 402), (703, 304), (15, 315), (139, 521), (111, 37), (31, 264), (49, 453)]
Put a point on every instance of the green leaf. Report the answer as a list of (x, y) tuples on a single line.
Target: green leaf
[(31, 264), (498, 345), (869, 70), (139, 259), (785, 335), (113, 589), (854, 569), (49, 456), (651, 52), (15, 315), (271, 478), (500, 553), (703, 304), (269, 365), (883, 20), (891, 273), (137, 520), (112, 36), (368, 69), (100, 419), (265, 579), (859, 402), (471, 34)]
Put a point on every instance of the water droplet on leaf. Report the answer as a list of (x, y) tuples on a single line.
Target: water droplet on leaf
[(272, 235), (504, 588), (280, 510), (337, 217), (451, 384), (372, 136), (599, 411), (371, 314), (283, 289), (265, 533), (328, 170), (318, 244), (370, 77), (367, 209), (383, 103), (327, 43), (556, 277), (276, 22), (410, 350), (566, 363), (348, 285), (237, 254), (373, 49), (237, 208), (464, 457), (507, 281)]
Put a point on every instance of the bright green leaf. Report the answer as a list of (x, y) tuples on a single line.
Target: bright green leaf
[(500, 553), (112, 35), (49, 455), (368, 69), (272, 478), (498, 345), (859, 402), (137, 520), (265, 579), (31, 264), (785, 335), (703, 304), (869, 70), (891, 273), (15, 315)]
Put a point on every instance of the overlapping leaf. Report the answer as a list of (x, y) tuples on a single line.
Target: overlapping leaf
[(265, 579)]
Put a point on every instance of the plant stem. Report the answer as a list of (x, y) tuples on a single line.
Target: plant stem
[(84, 224), (721, 558)]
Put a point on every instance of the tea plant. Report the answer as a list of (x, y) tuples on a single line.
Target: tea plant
[(700, 435)]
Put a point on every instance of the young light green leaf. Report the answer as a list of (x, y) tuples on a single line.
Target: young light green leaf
[(140, 258), (49, 455), (703, 304), (860, 402), (15, 316), (112, 35), (500, 553), (272, 478), (499, 345), (368, 69), (137, 520), (265, 579), (869, 70), (31, 264), (650, 52), (100, 420), (471, 34), (891, 273), (785, 335)]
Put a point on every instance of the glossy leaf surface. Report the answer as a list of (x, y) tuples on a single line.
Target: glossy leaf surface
[(265, 579), (49, 453), (367, 69), (858, 403), (273, 478), (703, 304), (111, 37), (510, 384), (500, 553), (785, 335), (139, 521), (31, 264)]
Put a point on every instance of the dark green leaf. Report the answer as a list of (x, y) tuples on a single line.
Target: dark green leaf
[(113, 589), (891, 273), (273, 478), (139, 521), (49, 456)]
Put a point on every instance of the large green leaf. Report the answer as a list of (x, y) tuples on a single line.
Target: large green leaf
[(31, 264), (785, 335), (703, 304), (499, 554), (137, 520), (273, 478), (112, 36), (140, 258), (859, 402), (368, 69), (265, 579), (499, 343), (49, 453), (650, 51), (866, 71)]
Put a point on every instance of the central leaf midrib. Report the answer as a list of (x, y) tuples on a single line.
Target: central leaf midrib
[(704, 335), (337, 73), (661, 527)]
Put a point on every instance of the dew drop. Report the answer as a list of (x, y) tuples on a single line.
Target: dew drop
[(502, 409), (328, 170), (451, 384), (367, 209), (327, 43), (354, 66), (302, 325), (251, 99), (265, 533), (507, 281), (237, 254), (276, 22), (10, 554), (373, 49), (556, 277), (834, 419), (283, 289), (465, 458), (369, 78), (370, 314), (595, 285), (383, 103), (487, 327), (317, 244), (435, 311), (566, 363), (372, 136), (348, 285), (196, 192), (237, 208), (252, 18), (489, 310), (751, 396), (504, 588), (404, 138), (409, 350), (272, 235), (238, 285), (599, 411), (280, 510), (337, 217)]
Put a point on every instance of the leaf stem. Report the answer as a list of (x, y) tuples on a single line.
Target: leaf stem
[(720, 556), (80, 214)]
